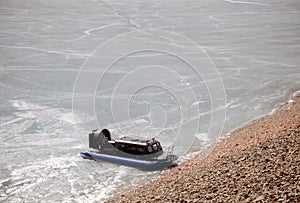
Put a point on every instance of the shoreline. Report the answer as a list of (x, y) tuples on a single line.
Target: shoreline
[(291, 99), (253, 134)]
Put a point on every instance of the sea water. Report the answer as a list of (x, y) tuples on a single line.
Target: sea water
[(185, 72)]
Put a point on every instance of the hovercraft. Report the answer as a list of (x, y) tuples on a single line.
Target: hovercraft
[(138, 153)]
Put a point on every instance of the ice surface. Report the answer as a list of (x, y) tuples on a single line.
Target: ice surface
[(186, 72)]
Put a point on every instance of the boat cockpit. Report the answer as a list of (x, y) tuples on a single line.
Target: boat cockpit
[(101, 140)]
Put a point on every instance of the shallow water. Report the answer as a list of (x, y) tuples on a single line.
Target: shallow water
[(187, 73)]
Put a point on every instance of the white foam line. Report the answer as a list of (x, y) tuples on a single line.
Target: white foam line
[(202, 137), (45, 50), (12, 121), (3, 180), (246, 2), (88, 32)]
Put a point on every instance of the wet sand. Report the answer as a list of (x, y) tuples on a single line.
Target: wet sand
[(258, 163)]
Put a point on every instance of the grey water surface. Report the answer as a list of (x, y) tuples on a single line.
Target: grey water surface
[(186, 72)]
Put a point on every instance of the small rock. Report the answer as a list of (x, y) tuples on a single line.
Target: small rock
[(259, 198)]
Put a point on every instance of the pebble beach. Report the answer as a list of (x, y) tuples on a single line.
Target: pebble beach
[(257, 163)]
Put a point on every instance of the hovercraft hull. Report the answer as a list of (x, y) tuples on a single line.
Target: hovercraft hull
[(150, 165)]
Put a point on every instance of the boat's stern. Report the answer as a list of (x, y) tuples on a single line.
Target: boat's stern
[(172, 157)]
